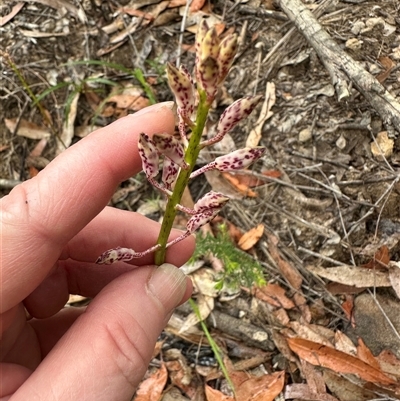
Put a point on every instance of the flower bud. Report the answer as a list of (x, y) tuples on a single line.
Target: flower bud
[(170, 147), (181, 85), (210, 200), (201, 33), (207, 77), (227, 52), (149, 155), (209, 46), (238, 159)]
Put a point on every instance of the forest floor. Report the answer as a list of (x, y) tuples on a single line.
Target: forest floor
[(320, 212)]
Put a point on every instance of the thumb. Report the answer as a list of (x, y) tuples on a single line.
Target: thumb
[(105, 353)]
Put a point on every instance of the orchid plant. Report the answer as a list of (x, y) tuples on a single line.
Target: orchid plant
[(213, 61)]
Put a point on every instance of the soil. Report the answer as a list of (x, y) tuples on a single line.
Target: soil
[(335, 201)]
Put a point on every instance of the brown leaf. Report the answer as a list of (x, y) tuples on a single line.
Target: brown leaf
[(382, 147), (262, 388), (26, 128), (288, 271), (152, 388), (380, 260), (196, 5), (275, 295), (321, 355), (303, 392), (239, 186), (365, 354), (215, 395), (251, 237), (388, 64)]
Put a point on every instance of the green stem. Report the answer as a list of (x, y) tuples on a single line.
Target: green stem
[(192, 152)]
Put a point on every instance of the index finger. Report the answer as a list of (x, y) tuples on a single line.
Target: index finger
[(41, 215)]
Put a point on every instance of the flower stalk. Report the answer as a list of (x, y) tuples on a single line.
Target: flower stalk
[(179, 156)]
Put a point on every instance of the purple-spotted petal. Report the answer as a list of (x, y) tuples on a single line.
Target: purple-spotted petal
[(170, 147), (149, 155), (210, 200), (169, 173), (182, 86), (239, 158), (200, 219)]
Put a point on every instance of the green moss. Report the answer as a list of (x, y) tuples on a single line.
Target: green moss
[(240, 268)]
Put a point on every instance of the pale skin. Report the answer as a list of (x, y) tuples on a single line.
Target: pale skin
[(53, 228)]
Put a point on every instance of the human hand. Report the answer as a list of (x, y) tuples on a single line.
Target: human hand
[(54, 226)]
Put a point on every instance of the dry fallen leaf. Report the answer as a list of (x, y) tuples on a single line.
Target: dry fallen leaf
[(380, 260), (256, 133), (152, 388), (288, 271), (382, 147), (26, 128), (394, 277), (262, 388), (15, 10), (251, 237), (236, 182), (275, 295), (340, 362), (351, 275)]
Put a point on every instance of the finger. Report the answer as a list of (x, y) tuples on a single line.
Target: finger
[(112, 342), (12, 377), (73, 277), (41, 215), (117, 228)]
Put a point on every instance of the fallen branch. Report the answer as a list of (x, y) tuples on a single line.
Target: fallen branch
[(342, 67)]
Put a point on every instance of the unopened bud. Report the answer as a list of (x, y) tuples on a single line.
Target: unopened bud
[(227, 52), (182, 86), (200, 35), (207, 77)]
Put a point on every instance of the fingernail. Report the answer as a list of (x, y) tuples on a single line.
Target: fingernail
[(168, 285), (155, 107)]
